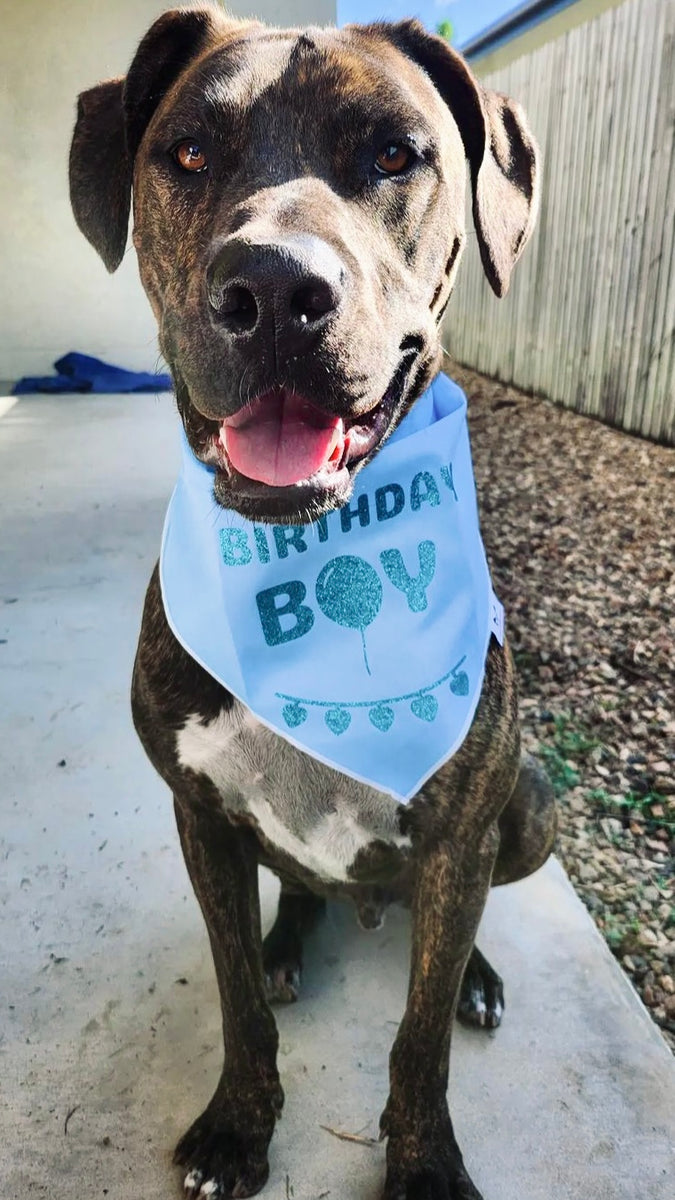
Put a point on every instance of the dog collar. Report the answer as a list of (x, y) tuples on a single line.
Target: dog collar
[(362, 637)]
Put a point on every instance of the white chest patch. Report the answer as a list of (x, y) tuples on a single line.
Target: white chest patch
[(319, 817)]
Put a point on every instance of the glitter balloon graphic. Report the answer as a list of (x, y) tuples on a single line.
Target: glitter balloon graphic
[(349, 592)]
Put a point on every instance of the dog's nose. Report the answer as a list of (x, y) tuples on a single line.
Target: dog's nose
[(287, 289)]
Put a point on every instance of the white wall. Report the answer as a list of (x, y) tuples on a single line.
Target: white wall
[(55, 293)]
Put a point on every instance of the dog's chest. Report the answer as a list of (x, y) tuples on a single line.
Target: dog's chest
[(319, 817)]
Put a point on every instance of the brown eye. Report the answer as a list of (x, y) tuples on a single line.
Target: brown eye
[(190, 156), (394, 159)]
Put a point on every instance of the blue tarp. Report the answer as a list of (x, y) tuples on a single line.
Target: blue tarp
[(81, 373)]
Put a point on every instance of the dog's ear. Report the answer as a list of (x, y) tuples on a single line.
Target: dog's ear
[(500, 149), (112, 118), (100, 171)]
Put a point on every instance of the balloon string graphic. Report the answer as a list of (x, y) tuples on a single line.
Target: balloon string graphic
[(349, 592), (365, 655)]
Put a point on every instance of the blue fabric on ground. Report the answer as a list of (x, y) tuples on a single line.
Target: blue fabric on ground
[(82, 373)]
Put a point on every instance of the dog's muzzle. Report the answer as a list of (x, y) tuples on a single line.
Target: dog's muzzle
[(275, 295)]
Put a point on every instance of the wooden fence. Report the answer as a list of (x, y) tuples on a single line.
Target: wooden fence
[(590, 317)]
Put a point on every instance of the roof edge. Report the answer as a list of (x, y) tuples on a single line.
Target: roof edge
[(512, 25)]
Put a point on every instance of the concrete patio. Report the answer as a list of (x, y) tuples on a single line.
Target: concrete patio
[(109, 1023)]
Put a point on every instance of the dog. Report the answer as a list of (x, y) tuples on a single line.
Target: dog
[(299, 218)]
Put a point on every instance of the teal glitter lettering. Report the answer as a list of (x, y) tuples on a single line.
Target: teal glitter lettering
[(430, 494), (288, 535), (413, 588), (446, 476), (362, 511), (393, 492), (271, 612), (349, 592), (261, 544), (234, 547), (322, 526)]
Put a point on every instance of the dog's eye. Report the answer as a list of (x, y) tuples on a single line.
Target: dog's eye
[(190, 156), (394, 159)]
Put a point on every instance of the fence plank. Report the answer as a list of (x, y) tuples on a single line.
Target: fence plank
[(590, 318)]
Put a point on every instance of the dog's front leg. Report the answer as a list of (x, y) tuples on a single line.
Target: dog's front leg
[(225, 1151), (423, 1159)]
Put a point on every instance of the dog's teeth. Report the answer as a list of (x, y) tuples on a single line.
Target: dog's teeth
[(192, 1180)]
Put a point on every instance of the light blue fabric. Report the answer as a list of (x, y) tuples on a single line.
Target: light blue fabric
[(361, 638)]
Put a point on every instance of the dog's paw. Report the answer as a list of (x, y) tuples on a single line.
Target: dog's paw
[(220, 1165), (282, 948), (418, 1173), (222, 1161), (423, 1171), (428, 1184), (196, 1186), (424, 1161), (481, 997), (282, 982), (282, 962)]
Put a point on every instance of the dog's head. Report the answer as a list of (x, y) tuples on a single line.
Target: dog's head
[(299, 203)]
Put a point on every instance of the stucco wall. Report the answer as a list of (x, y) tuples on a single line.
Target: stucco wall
[(55, 294)]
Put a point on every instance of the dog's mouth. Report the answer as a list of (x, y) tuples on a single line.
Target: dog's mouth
[(284, 446), (283, 439)]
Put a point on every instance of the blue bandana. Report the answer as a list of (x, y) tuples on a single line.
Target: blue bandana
[(360, 638)]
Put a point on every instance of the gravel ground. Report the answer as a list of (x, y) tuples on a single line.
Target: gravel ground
[(579, 525)]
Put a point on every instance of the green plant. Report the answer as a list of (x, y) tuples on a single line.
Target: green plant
[(572, 740), (640, 808), (621, 936), (571, 743), (561, 774)]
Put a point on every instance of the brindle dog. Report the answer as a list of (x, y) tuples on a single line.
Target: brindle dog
[(299, 219)]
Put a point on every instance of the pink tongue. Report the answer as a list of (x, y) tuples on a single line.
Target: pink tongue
[(282, 439)]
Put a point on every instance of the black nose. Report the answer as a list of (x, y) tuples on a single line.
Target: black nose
[(286, 290)]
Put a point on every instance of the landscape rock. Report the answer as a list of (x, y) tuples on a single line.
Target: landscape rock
[(577, 520)]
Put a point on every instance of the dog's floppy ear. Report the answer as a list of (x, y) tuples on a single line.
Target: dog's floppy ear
[(112, 118), (500, 148), (100, 171)]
